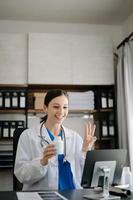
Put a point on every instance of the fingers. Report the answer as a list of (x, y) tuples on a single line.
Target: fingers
[(49, 152), (90, 129), (89, 137), (86, 130), (93, 130)]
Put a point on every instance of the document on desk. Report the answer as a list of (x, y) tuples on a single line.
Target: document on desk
[(28, 196), (45, 195)]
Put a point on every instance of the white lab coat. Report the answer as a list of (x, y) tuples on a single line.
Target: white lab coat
[(32, 174)]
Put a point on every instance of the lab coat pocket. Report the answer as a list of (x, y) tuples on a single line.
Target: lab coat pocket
[(53, 173)]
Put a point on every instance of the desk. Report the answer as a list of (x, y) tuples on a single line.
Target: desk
[(69, 194), (78, 194), (8, 195)]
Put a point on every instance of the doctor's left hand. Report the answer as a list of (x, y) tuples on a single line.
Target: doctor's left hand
[(89, 138)]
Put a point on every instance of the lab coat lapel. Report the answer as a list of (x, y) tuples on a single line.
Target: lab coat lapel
[(45, 134), (68, 138)]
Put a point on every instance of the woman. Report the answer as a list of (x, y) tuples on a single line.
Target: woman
[(37, 164)]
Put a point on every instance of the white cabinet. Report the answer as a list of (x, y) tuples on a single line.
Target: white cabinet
[(13, 58), (92, 58), (49, 59), (70, 59)]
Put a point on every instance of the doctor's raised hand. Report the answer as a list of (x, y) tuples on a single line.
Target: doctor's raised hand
[(89, 138)]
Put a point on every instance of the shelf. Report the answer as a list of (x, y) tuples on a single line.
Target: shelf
[(106, 110), (67, 87), (108, 138), (6, 166), (6, 146), (17, 111), (74, 111), (102, 116), (35, 111), (82, 111), (13, 86), (70, 111), (6, 141), (6, 159)]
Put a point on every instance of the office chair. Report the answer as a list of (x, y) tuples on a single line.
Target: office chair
[(16, 184)]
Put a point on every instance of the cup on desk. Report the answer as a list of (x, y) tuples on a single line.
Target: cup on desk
[(126, 178)]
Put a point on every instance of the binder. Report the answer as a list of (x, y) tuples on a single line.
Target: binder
[(19, 124), (111, 128), (22, 99), (0, 129), (15, 100), (104, 128), (7, 100), (110, 99), (12, 128), (1, 99), (103, 99), (6, 129)]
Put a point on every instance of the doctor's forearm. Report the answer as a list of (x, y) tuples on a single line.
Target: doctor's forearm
[(30, 172)]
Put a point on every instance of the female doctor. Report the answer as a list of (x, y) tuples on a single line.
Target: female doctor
[(37, 164)]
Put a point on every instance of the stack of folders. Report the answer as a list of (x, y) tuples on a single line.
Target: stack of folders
[(81, 100), (7, 128), (12, 99)]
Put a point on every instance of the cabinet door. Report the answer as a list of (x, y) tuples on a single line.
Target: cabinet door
[(13, 59), (92, 60), (70, 59), (49, 59)]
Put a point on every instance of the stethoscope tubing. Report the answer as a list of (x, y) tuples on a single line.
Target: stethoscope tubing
[(47, 142)]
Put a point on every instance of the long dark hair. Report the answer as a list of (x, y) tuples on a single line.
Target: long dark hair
[(51, 94)]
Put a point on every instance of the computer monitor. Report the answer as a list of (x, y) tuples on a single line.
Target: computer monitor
[(98, 172), (117, 155)]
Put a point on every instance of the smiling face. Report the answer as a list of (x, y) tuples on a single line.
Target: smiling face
[(57, 110)]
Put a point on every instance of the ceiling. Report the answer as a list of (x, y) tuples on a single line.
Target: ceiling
[(67, 11)]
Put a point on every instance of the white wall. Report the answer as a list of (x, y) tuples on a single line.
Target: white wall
[(112, 31), (127, 27)]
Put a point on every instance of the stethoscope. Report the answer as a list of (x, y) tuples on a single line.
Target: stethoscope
[(44, 141)]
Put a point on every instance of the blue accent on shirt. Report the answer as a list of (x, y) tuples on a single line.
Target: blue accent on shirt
[(52, 136), (65, 179), (65, 174)]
